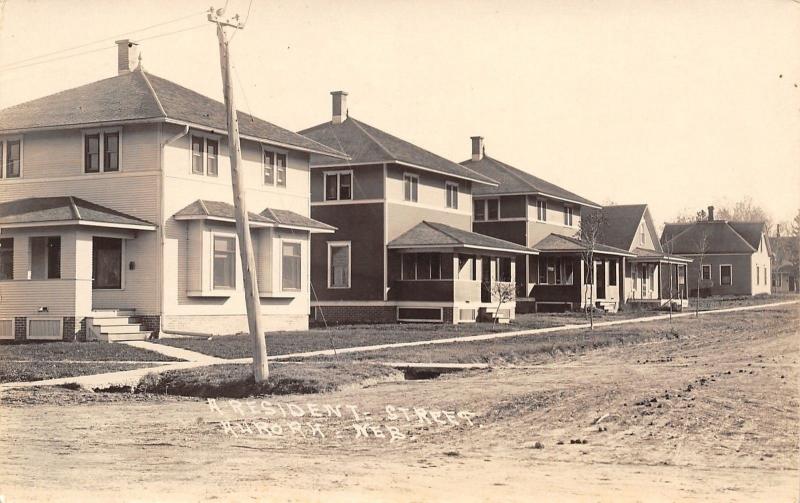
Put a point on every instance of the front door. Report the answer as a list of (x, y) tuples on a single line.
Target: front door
[(600, 279), (106, 263)]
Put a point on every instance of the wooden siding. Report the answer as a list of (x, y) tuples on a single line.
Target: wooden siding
[(367, 182)]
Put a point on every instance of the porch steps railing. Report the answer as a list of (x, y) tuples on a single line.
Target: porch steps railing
[(115, 325)]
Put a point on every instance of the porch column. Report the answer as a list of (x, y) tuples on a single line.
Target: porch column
[(659, 286)]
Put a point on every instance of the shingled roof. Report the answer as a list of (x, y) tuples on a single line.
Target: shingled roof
[(365, 144), (621, 224), (142, 96), (436, 235), (512, 180), (269, 217), (557, 243), (65, 210), (721, 237)]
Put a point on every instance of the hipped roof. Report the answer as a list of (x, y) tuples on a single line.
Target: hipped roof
[(437, 235), (65, 210)]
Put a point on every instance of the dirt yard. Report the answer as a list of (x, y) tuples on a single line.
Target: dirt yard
[(706, 418)]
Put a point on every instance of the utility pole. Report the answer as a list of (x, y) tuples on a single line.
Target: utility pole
[(252, 300)]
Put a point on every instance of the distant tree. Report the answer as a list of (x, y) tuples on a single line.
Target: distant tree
[(796, 225), (745, 211), (686, 217), (591, 228)]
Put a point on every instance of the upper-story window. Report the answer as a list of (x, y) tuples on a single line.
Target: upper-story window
[(11, 158), (205, 155), (410, 187), (641, 233), (102, 151), (275, 168), (486, 209), (568, 216), (338, 185), (451, 190), (541, 210)]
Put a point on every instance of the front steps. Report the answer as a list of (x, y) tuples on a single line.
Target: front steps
[(114, 325)]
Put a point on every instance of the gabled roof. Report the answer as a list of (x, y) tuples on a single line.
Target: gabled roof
[(556, 243), (436, 235), (203, 209), (721, 237), (512, 180), (366, 144), (65, 210), (141, 96), (621, 225)]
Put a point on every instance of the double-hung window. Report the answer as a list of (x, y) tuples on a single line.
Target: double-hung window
[(102, 151), (451, 190), (6, 258), (205, 155), (568, 216), (339, 264), (479, 210), (410, 187), (492, 209), (291, 263), (10, 158), (541, 210), (224, 273), (339, 186), (726, 275), (641, 233), (706, 272), (212, 154), (274, 168)]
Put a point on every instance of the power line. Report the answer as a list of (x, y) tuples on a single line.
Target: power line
[(112, 37)]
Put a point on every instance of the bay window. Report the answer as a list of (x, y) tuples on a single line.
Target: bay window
[(45, 257), (224, 272), (291, 264)]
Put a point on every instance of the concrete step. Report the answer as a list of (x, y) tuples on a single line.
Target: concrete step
[(130, 336), (118, 329), (116, 320), (106, 313)]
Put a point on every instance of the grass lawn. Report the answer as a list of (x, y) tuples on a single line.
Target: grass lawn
[(76, 351), (236, 380), (34, 371)]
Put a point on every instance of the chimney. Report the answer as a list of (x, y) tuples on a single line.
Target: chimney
[(339, 106), (710, 213), (477, 148), (127, 56)]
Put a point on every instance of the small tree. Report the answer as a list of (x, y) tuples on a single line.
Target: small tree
[(503, 292), (701, 246), (592, 223)]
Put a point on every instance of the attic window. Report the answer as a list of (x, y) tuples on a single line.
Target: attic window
[(102, 151), (641, 233)]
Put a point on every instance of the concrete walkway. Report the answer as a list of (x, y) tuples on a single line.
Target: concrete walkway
[(132, 377)]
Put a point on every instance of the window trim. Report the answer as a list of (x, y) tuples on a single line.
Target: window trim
[(337, 174), (414, 178), (447, 187), (280, 271), (47, 277), (275, 152), (710, 269), (642, 237), (101, 133), (13, 241), (222, 234), (204, 151), (123, 258), (4, 157), (569, 213), (720, 274), (205, 156), (349, 246), (541, 211)]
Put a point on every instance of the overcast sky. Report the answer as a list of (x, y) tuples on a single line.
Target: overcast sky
[(678, 104)]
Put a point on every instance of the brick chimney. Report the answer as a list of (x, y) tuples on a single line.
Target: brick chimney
[(710, 213), (477, 148), (127, 56), (339, 106)]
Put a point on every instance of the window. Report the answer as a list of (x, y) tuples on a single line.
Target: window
[(6, 258), (492, 209), (212, 153), (543, 270), (338, 186), (339, 264), (555, 271), (111, 152), (551, 271), (224, 262), (541, 210), (45, 257), (568, 216), (13, 158), (410, 187), (291, 266), (423, 266), (726, 275), (102, 151), (479, 210), (758, 275), (269, 168), (504, 270), (706, 271), (612, 273), (280, 170), (106, 263), (641, 233), (451, 190), (568, 271)]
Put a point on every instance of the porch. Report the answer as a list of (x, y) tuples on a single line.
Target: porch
[(656, 279)]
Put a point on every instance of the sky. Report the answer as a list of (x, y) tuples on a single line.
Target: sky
[(671, 103)]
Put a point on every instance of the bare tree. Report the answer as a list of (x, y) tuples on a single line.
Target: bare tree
[(746, 211), (503, 292), (701, 246), (592, 223), (668, 247)]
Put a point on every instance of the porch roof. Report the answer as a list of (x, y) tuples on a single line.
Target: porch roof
[(556, 243), (224, 212), (433, 235), (65, 210), (643, 255)]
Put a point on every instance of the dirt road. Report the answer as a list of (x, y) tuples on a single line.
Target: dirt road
[(700, 419)]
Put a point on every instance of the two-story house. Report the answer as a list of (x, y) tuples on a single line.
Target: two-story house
[(728, 258), (403, 249), (651, 277), (535, 213), (116, 216)]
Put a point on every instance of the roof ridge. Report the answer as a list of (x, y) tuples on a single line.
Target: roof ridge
[(511, 171), (74, 207), (152, 90), (740, 236), (371, 137), (204, 207), (442, 231)]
